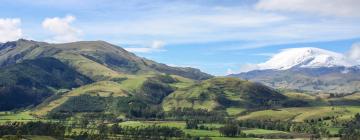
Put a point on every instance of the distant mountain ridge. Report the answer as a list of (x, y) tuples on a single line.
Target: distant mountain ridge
[(113, 57), (310, 69)]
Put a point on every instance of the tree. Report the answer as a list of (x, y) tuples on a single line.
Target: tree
[(230, 130), (84, 123), (103, 129), (192, 124), (115, 129), (351, 130)]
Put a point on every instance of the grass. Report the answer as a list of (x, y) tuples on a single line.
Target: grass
[(102, 88), (205, 95), (202, 133), (234, 110), (133, 82), (303, 113), (269, 115), (40, 138), (21, 116), (196, 132), (230, 138), (105, 89), (178, 124), (182, 82), (262, 131), (297, 95), (34, 137), (355, 96), (87, 67), (334, 130), (175, 100)]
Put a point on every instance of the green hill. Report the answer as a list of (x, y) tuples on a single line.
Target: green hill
[(31, 81), (98, 60), (36, 70), (134, 93), (221, 93)]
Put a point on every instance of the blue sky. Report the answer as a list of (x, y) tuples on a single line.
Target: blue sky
[(217, 36)]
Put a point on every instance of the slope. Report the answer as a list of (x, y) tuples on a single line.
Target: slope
[(31, 81), (98, 60), (221, 93)]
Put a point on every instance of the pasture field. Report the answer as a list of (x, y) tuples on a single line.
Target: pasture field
[(19, 117), (229, 138), (234, 111), (301, 114), (34, 137), (177, 124), (87, 67), (262, 131), (196, 132), (290, 114)]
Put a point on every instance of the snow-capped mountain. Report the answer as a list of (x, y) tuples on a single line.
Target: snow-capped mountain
[(304, 58), (310, 69)]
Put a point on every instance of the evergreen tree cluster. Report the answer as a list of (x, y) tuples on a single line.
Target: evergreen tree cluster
[(33, 128), (351, 130)]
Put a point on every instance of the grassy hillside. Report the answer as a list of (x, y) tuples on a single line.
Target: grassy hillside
[(30, 82), (147, 90), (74, 64), (102, 88), (87, 67), (98, 60), (220, 93), (301, 114)]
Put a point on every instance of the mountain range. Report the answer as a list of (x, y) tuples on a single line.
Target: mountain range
[(61, 80), (55, 80), (32, 71)]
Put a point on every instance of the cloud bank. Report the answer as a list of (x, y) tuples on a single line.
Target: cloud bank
[(354, 53), (341, 8), (61, 29), (10, 29), (155, 46)]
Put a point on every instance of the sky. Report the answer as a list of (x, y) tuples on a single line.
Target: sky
[(217, 36)]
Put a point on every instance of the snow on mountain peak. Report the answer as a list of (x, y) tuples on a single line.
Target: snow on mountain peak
[(307, 57)]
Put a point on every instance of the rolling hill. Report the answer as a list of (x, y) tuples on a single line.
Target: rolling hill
[(56, 80), (222, 93), (32, 81), (97, 60), (41, 72)]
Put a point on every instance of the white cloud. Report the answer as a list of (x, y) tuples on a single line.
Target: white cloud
[(248, 67), (187, 23), (354, 53), (230, 71), (9, 29), (342, 8), (61, 29), (155, 46), (255, 24), (265, 54)]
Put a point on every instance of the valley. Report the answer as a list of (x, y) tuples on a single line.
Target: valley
[(96, 90)]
